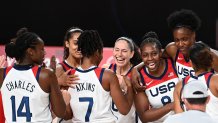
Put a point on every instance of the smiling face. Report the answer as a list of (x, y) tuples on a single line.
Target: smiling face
[(151, 56), (122, 53), (184, 38), (73, 46)]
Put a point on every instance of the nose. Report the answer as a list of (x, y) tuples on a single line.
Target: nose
[(180, 43)]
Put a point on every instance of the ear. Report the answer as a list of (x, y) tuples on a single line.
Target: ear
[(132, 54), (29, 51), (208, 99), (67, 44)]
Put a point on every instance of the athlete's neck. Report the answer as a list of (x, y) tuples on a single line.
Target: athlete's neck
[(198, 72), (124, 69), (73, 62), (88, 62)]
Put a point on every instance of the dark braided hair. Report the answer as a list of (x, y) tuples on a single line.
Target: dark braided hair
[(68, 35), (200, 56), (151, 38), (184, 18), (18, 48), (89, 42), (136, 59)]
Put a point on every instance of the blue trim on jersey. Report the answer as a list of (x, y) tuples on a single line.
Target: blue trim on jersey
[(4, 74), (115, 68), (208, 80), (37, 74), (129, 70), (23, 67), (85, 71), (177, 54), (110, 66), (173, 65), (101, 74), (142, 78), (62, 119), (161, 76)]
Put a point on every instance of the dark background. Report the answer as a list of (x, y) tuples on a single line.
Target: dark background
[(112, 18)]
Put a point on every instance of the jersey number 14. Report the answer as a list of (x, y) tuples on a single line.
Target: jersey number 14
[(19, 112)]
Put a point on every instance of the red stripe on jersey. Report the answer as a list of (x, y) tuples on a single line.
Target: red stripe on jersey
[(181, 59), (205, 75), (72, 71), (7, 70), (65, 66), (2, 116), (169, 74), (98, 72), (35, 70)]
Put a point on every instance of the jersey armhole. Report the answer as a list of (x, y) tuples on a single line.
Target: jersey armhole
[(6, 70), (208, 80), (99, 73), (36, 71)]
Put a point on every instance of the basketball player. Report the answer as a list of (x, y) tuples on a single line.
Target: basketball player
[(72, 58), (160, 78), (126, 55), (27, 89), (201, 60), (184, 25), (91, 99)]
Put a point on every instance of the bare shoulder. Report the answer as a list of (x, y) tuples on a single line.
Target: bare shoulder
[(109, 73), (171, 50), (46, 73)]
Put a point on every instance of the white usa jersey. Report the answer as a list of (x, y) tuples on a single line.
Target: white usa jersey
[(159, 90), (89, 101), (23, 98), (132, 116), (183, 66), (212, 106)]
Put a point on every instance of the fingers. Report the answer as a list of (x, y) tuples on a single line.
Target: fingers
[(67, 72), (2, 61)]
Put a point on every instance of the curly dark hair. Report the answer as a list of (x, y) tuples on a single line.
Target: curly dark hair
[(184, 18)]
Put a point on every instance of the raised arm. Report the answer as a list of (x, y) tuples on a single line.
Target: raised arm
[(122, 102), (152, 114), (48, 82)]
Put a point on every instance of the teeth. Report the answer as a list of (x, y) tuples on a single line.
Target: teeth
[(151, 65)]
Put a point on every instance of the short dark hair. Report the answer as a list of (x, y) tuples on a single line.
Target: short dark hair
[(89, 42), (198, 101), (200, 56)]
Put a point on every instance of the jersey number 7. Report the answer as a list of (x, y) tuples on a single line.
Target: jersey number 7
[(89, 110)]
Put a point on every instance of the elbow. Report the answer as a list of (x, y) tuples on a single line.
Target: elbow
[(125, 111)]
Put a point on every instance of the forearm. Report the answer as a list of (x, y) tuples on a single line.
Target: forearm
[(140, 66), (154, 114)]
